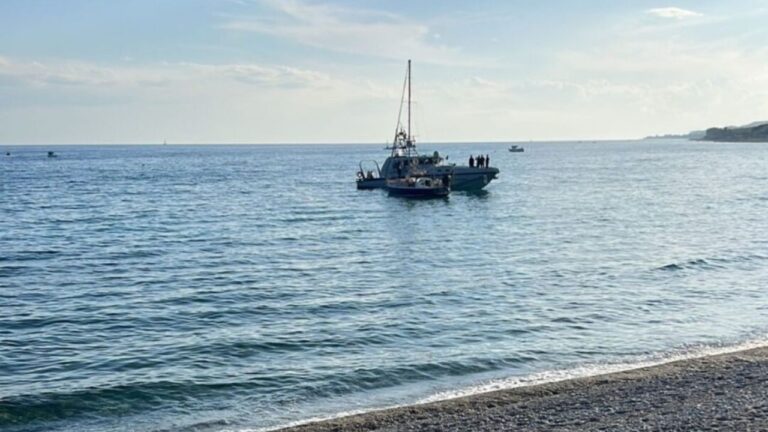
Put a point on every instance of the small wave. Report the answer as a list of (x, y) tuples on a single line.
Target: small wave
[(670, 267), (120, 400), (250, 349), (206, 425), (43, 322), (30, 255), (313, 218), (7, 271), (590, 370), (711, 263), (130, 398)]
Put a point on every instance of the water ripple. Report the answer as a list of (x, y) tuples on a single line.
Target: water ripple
[(210, 287)]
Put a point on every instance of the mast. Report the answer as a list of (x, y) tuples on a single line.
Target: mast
[(403, 144), (409, 101)]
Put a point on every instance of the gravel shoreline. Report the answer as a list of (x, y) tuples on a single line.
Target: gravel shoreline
[(726, 392)]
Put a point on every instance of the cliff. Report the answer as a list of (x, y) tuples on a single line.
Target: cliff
[(757, 133)]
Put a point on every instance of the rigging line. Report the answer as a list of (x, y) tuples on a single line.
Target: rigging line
[(409, 100), (400, 111)]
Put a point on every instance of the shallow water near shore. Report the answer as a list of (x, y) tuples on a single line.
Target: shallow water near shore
[(245, 287)]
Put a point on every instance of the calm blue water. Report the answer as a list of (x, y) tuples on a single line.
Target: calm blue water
[(235, 287)]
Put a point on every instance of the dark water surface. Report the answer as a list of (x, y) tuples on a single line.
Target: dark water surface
[(239, 287)]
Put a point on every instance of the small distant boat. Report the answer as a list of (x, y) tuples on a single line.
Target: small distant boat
[(420, 186), (52, 154), (516, 149)]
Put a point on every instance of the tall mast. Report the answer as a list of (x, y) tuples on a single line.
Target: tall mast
[(409, 100)]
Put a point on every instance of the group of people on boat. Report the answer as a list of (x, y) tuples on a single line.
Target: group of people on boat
[(368, 175), (480, 161)]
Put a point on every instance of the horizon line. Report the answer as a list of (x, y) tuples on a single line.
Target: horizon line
[(560, 140)]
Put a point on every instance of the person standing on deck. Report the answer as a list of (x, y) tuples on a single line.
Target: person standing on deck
[(487, 161), (471, 161)]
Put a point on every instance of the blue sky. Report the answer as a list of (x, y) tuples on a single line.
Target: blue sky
[(269, 71)]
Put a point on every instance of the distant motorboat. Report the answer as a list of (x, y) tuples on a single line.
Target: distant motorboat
[(516, 149), (52, 154)]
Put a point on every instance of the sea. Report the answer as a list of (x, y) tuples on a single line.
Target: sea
[(247, 287)]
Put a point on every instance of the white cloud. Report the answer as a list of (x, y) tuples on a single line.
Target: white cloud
[(673, 13), (84, 102), (355, 31), (673, 83), (273, 76), (71, 73)]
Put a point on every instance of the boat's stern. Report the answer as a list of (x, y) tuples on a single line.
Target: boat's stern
[(369, 177), (366, 184), (471, 178)]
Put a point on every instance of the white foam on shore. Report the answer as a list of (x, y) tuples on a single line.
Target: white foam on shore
[(592, 370), (543, 378)]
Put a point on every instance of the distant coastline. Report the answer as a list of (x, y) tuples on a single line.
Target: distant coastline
[(667, 136), (750, 133), (694, 135), (753, 132)]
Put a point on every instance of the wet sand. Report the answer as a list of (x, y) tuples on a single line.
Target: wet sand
[(726, 392)]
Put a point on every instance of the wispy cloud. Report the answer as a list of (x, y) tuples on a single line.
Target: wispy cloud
[(185, 101), (672, 13), (349, 30), (273, 76), (675, 78), (68, 73), (79, 73)]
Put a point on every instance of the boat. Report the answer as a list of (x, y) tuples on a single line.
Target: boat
[(404, 160), (516, 149), (52, 154), (419, 186)]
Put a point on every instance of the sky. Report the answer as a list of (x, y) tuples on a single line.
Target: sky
[(303, 71)]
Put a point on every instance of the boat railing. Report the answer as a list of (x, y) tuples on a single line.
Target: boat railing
[(364, 174)]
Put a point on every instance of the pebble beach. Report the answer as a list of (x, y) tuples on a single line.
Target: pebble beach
[(725, 392)]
